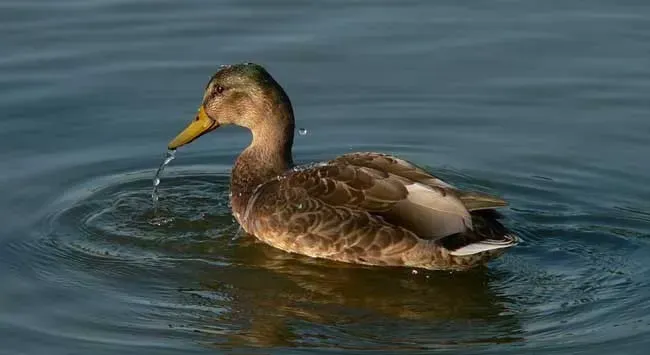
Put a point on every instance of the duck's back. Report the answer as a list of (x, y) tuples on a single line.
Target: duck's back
[(375, 209)]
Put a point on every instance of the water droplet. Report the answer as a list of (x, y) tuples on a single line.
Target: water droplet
[(302, 131), (171, 154)]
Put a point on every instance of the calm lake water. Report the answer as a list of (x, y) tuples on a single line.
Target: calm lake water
[(542, 102)]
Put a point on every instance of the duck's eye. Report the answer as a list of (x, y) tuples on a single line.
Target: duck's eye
[(220, 89)]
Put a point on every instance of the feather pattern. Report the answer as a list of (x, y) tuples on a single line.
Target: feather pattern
[(371, 209)]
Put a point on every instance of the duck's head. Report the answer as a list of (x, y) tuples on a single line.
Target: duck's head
[(242, 94)]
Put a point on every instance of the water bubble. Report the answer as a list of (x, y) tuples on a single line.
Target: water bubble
[(302, 131), (414, 272), (156, 181)]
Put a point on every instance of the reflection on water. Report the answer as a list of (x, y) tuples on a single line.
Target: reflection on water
[(302, 302)]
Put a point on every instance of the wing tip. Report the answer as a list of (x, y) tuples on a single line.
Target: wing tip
[(509, 240), (475, 201)]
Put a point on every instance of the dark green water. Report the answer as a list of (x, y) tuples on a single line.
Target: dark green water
[(543, 102)]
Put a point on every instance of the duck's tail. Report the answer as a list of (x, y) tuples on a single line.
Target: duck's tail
[(488, 235)]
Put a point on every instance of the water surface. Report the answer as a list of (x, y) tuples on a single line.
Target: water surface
[(544, 103)]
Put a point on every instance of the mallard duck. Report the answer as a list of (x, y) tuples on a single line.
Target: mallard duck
[(365, 208)]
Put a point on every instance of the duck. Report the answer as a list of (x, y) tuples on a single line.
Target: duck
[(366, 208)]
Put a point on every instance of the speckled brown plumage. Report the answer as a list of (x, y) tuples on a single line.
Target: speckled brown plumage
[(365, 208)]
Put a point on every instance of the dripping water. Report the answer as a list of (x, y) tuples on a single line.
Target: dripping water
[(171, 154)]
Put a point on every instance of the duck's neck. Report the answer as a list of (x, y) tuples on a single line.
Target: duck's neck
[(268, 156)]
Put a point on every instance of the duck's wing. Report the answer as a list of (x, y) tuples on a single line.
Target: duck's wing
[(364, 215), (393, 165), (430, 212), (472, 200), (286, 216)]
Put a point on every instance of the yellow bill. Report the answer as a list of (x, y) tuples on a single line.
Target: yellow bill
[(201, 125)]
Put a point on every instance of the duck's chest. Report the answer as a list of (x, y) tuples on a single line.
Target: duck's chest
[(238, 203), (253, 190), (259, 209)]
